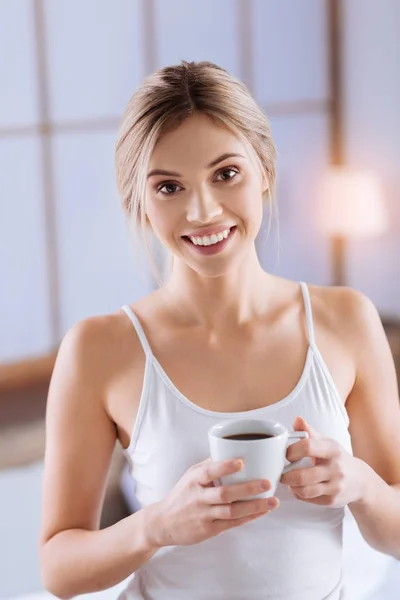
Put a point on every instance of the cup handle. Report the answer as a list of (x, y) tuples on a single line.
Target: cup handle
[(293, 435)]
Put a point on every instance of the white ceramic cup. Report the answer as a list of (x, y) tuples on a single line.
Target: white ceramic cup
[(263, 458)]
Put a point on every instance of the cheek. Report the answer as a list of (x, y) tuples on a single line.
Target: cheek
[(247, 201), (161, 217)]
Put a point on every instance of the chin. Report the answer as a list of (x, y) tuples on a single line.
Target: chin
[(215, 267)]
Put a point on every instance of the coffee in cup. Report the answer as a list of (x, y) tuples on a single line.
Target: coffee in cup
[(260, 444), (248, 436)]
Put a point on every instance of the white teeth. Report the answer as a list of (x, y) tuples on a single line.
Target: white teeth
[(207, 240)]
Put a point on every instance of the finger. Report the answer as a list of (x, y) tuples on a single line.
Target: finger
[(307, 476), (300, 424), (225, 494), (312, 491), (324, 448), (237, 510), (221, 526), (209, 471)]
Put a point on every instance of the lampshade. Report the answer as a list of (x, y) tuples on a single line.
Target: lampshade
[(350, 204)]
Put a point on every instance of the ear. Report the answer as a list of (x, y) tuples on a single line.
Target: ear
[(264, 183), (147, 223)]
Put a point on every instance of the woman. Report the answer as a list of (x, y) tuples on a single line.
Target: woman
[(221, 338)]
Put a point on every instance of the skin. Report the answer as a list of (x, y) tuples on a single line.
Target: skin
[(233, 317)]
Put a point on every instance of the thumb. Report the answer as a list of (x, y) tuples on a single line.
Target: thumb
[(301, 424)]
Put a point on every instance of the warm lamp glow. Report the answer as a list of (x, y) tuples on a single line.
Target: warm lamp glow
[(351, 204)]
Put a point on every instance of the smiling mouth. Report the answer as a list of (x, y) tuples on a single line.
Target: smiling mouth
[(210, 240), (209, 245)]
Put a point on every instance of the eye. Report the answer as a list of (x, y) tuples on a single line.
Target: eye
[(227, 174), (168, 188)]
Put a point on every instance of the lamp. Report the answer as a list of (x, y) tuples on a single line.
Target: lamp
[(350, 206)]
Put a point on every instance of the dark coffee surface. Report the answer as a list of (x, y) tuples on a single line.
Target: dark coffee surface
[(248, 436)]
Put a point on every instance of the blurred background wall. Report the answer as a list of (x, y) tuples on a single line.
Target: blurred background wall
[(67, 69), (371, 136)]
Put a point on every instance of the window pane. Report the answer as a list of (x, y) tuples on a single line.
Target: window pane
[(372, 139), (94, 54), (303, 152), (18, 97), (204, 30), (290, 50), (99, 268), (24, 308)]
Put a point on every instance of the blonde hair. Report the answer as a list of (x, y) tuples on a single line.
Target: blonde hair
[(168, 97)]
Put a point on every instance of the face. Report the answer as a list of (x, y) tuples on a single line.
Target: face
[(204, 195)]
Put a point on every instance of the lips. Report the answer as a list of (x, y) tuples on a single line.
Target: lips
[(208, 231), (213, 248)]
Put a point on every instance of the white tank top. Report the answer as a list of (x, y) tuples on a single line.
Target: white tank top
[(293, 553)]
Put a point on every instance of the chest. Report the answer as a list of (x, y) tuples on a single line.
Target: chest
[(232, 374), (173, 437), (235, 375)]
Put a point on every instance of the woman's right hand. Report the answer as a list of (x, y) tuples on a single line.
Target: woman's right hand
[(196, 510)]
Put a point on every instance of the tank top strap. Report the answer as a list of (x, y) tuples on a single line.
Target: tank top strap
[(308, 310), (139, 330)]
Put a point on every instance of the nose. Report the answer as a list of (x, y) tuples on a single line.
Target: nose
[(203, 208)]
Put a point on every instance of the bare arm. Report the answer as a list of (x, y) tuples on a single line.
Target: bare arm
[(369, 481), (374, 411), (76, 557)]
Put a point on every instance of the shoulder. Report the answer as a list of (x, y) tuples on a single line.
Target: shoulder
[(346, 300), (96, 347), (91, 339), (347, 313)]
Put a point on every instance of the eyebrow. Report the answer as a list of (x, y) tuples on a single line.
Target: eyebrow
[(213, 163)]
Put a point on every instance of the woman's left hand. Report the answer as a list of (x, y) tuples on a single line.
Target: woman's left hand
[(336, 477)]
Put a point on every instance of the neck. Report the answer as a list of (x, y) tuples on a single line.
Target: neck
[(218, 302)]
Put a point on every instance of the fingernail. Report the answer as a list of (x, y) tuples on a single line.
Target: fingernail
[(265, 485), (238, 464), (271, 502)]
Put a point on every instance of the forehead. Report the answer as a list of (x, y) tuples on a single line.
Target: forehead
[(196, 142)]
